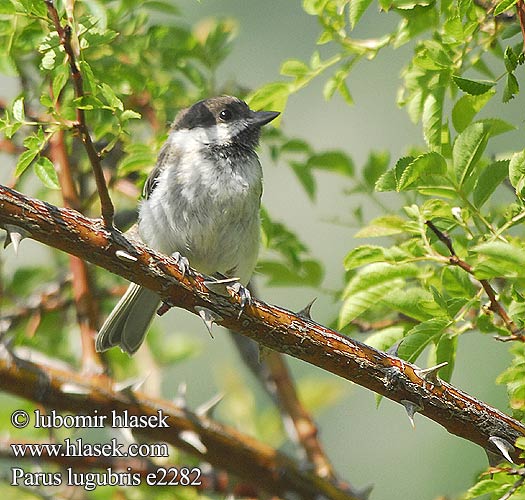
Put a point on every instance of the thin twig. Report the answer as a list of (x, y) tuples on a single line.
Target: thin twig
[(64, 32), (82, 280), (495, 305), (520, 9), (304, 425), (271, 326)]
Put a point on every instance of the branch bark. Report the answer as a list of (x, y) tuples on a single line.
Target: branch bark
[(220, 445), (271, 326)]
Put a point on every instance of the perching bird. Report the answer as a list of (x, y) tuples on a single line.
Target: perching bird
[(201, 203)]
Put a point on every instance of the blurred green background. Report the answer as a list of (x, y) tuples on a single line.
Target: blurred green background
[(368, 445)]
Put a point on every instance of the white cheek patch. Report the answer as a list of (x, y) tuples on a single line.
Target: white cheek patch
[(221, 133)]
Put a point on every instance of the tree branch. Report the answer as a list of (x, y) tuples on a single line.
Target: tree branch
[(271, 326), (219, 445)]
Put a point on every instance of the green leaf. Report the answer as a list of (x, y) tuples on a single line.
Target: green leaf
[(414, 302), (511, 88), (424, 165), (389, 181), (333, 161), (445, 352), (304, 174), (483, 487), (364, 254), (111, 97), (369, 285), (59, 81), (375, 166), (46, 172), (421, 336), (517, 172), (18, 109), (24, 160), (499, 259), (295, 146), (432, 117), (503, 6), (385, 225), (467, 107), (295, 68), (386, 338), (271, 96), (467, 150), (510, 59), (307, 273), (473, 87), (491, 177), (357, 9)]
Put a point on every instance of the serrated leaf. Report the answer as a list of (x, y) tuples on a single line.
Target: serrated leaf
[(385, 225), (18, 109), (59, 82), (364, 254), (473, 87), (111, 97), (414, 302), (46, 172), (510, 59), (369, 285), (304, 174), (467, 107), (420, 337), (333, 161), (432, 118), (357, 9), (25, 160), (295, 68), (467, 150), (512, 87), (491, 177), (424, 165), (499, 259), (517, 172), (503, 6)]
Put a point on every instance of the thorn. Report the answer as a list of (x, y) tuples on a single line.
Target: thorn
[(393, 350), (72, 388), (180, 398), (220, 287), (411, 409), (164, 308), (194, 440), (503, 446), (430, 374), (125, 256), (364, 493), (15, 235), (130, 385), (206, 408), (209, 317), (305, 311)]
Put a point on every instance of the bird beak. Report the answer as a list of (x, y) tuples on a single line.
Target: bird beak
[(261, 118)]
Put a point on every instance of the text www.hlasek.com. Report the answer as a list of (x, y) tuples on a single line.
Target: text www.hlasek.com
[(79, 448)]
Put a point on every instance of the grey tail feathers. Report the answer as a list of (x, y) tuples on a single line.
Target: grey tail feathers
[(128, 323)]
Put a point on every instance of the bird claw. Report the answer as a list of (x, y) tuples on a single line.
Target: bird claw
[(182, 263), (244, 294)]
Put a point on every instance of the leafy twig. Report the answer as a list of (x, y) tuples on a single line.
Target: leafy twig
[(271, 326), (64, 32), (495, 305)]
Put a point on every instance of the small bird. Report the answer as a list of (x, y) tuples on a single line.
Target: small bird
[(200, 204)]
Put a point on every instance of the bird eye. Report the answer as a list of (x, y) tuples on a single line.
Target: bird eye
[(225, 115)]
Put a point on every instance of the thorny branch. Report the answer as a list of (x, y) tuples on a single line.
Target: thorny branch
[(64, 33), (495, 305), (271, 326), (197, 434)]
